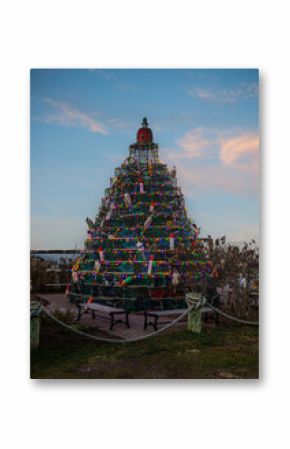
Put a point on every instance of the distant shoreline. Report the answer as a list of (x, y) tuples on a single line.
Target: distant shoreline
[(55, 251)]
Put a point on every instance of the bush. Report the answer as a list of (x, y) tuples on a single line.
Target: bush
[(238, 268)]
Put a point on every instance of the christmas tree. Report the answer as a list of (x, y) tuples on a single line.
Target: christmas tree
[(142, 249)]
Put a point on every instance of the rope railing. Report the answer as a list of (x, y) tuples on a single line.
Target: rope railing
[(230, 317), (203, 302), (36, 309), (115, 340)]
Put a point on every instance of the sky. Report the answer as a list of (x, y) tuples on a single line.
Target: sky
[(206, 123)]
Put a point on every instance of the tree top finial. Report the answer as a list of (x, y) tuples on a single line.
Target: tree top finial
[(144, 123)]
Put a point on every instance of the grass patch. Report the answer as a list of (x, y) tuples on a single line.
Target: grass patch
[(224, 352)]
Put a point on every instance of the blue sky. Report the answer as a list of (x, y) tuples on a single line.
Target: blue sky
[(82, 122)]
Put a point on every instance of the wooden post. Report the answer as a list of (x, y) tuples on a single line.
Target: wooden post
[(194, 317), (35, 312)]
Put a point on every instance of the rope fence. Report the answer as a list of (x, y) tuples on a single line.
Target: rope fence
[(195, 306), (230, 317), (116, 340)]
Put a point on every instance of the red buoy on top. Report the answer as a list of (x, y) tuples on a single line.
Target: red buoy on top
[(144, 134)]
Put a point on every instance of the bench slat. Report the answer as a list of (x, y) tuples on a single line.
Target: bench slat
[(161, 313), (165, 312), (101, 308)]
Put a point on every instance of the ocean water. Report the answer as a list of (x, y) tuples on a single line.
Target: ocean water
[(56, 257)]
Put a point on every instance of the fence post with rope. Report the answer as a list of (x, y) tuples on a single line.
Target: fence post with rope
[(195, 302), (194, 317), (35, 312)]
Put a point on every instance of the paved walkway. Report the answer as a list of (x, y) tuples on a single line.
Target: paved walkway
[(59, 302)]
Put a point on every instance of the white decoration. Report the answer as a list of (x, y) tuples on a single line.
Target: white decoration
[(148, 222), (97, 266), (127, 199), (175, 278), (150, 265)]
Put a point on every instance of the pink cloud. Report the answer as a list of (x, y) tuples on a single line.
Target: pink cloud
[(241, 151), (229, 164), (194, 143)]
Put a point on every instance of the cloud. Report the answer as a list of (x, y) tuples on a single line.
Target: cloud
[(240, 151), (208, 161), (204, 93), (67, 115), (243, 91), (215, 178), (194, 144), (120, 124)]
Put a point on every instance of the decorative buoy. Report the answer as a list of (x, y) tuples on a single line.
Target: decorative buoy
[(127, 199), (144, 134), (101, 255), (148, 222), (97, 266), (171, 241), (150, 265)]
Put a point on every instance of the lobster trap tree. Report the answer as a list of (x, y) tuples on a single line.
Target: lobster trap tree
[(142, 239)]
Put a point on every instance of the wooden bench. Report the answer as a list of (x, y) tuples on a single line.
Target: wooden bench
[(156, 314), (105, 312)]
